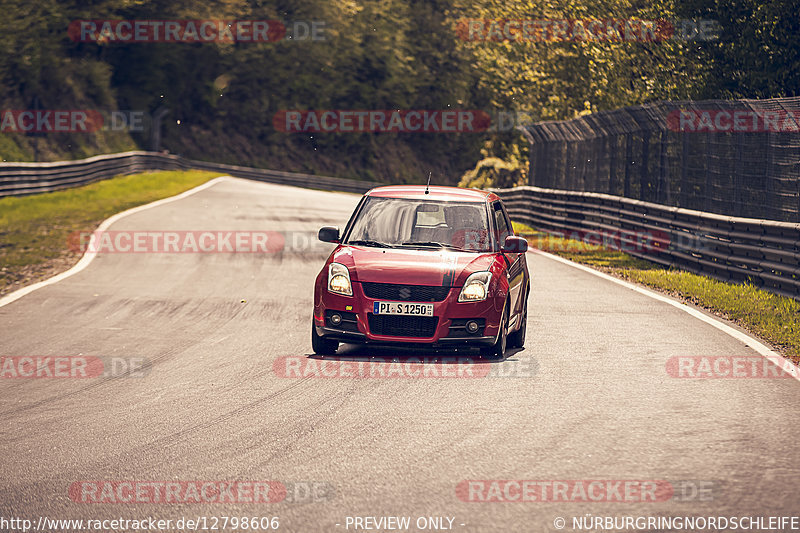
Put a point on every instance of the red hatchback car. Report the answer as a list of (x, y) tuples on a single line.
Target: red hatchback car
[(435, 266)]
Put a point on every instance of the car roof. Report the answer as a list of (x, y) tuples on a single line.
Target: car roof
[(436, 192)]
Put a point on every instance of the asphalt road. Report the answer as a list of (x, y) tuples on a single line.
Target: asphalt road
[(589, 398)]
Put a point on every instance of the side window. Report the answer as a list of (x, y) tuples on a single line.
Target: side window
[(508, 220), (501, 222)]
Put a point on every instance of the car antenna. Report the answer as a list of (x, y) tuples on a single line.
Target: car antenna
[(429, 183)]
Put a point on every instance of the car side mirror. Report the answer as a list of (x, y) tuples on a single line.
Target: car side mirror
[(329, 234), (514, 245)]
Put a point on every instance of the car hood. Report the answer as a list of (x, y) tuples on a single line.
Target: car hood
[(411, 266)]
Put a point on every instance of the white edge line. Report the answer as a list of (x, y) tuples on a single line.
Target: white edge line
[(756, 345), (87, 257), (764, 351)]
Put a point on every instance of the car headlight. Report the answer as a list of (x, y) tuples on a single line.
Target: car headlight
[(339, 279), (476, 288)]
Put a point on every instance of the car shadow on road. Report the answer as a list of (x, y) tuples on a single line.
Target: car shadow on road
[(391, 354)]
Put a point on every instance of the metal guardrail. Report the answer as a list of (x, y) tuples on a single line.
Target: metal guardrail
[(31, 178), (763, 252)]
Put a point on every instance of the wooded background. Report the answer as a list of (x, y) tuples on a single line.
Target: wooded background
[(391, 54)]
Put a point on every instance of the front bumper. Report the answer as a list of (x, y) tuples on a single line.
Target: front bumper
[(450, 319)]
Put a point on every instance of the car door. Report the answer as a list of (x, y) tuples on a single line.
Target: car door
[(515, 263)]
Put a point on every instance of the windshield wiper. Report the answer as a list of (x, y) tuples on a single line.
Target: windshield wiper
[(367, 242), (426, 244)]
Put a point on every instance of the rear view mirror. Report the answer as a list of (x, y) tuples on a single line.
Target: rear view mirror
[(514, 245), (329, 234)]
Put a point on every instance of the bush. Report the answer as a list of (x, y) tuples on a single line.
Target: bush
[(493, 172)]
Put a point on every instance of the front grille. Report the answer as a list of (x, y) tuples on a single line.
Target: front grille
[(405, 293), (403, 326)]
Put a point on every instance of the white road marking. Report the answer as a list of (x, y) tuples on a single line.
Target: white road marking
[(756, 345), (87, 258)]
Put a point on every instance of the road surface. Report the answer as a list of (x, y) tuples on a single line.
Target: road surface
[(589, 398)]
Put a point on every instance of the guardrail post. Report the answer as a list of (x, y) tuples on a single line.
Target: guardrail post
[(598, 148), (155, 132), (611, 147), (707, 174), (769, 189), (665, 195), (738, 207), (644, 181), (683, 197), (628, 160), (532, 161)]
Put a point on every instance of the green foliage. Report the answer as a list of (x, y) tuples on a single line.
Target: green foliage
[(493, 172), (757, 54), (378, 54)]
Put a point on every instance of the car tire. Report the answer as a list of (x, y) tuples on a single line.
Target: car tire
[(517, 339), (498, 349), (321, 345)]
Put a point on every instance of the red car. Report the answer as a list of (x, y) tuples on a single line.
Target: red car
[(416, 265)]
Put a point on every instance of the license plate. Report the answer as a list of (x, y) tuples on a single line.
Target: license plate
[(401, 308)]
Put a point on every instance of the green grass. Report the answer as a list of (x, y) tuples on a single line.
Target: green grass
[(774, 318), (34, 230)]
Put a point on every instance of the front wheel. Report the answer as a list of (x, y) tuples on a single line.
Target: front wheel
[(321, 345), (498, 349), (517, 339)]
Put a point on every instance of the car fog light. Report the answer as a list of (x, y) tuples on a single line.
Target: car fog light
[(472, 327), (336, 319)]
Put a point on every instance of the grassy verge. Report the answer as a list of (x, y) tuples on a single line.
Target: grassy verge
[(774, 318), (34, 229)]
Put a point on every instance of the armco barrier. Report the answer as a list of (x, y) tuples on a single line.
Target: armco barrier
[(765, 252), (728, 248), (31, 178)]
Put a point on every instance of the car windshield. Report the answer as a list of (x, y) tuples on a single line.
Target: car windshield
[(413, 223)]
